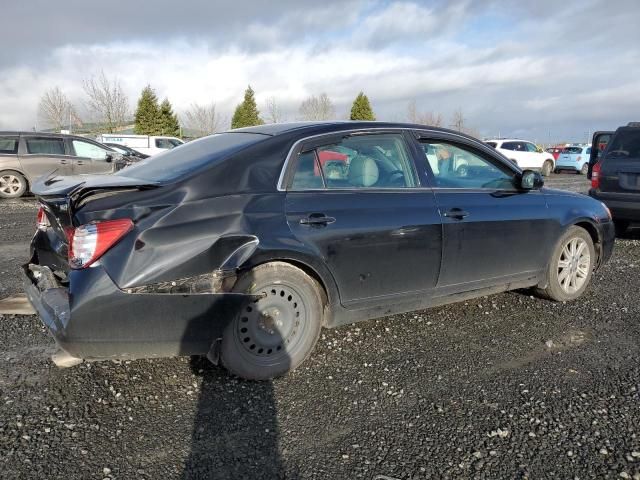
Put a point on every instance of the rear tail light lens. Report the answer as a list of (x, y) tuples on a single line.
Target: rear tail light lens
[(595, 176), (42, 222), (579, 158), (87, 243)]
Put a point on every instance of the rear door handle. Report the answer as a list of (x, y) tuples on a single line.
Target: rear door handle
[(317, 219), (456, 213)]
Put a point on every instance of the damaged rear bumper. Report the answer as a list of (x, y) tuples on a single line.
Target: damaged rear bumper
[(91, 318)]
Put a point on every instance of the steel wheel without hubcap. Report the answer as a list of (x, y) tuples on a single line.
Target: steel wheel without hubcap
[(277, 331), (10, 185), (273, 325), (574, 265)]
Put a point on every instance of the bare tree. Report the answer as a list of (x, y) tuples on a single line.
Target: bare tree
[(457, 121), (423, 118), (204, 119), (55, 110), (274, 115), (317, 108), (107, 101)]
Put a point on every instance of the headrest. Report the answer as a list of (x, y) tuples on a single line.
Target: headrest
[(363, 171)]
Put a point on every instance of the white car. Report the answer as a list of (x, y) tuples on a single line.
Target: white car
[(524, 154), (147, 144)]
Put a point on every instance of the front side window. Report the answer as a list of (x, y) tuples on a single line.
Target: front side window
[(455, 166), (531, 147), (9, 145), (360, 161), (89, 150), (45, 146)]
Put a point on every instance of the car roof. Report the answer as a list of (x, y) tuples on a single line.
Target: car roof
[(311, 128)]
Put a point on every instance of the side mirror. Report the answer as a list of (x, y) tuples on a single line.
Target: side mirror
[(530, 180), (108, 158)]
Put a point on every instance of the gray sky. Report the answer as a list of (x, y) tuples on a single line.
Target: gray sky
[(526, 69)]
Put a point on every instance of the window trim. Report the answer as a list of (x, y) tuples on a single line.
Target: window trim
[(286, 176)]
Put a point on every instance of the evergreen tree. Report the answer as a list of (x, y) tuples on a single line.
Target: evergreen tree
[(148, 113), (246, 113), (169, 124), (361, 108)]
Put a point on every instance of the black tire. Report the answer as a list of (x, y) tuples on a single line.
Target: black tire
[(584, 170), (276, 333), (621, 227), (547, 168), (12, 184), (555, 289)]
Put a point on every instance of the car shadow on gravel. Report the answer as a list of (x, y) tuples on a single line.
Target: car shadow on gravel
[(235, 428)]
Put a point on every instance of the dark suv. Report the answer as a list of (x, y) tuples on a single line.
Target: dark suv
[(25, 156), (614, 167)]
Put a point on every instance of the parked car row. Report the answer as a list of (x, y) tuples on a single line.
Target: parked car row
[(26, 156), (242, 246)]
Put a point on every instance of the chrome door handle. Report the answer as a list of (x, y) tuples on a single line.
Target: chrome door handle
[(317, 219)]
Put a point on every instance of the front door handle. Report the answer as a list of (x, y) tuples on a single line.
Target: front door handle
[(456, 213), (63, 162), (317, 219)]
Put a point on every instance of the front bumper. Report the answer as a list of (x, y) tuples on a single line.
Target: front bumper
[(91, 318), (623, 206)]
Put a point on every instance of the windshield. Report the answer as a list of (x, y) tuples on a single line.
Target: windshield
[(626, 143), (175, 163)]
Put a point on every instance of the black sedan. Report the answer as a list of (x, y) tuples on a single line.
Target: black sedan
[(241, 246)]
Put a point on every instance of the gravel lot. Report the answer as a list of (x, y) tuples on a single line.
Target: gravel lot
[(507, 386)]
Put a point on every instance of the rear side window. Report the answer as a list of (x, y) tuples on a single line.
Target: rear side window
[(492, 144), (511, 146), (190, 157), (45, 146), (357, 162), (625, 144), (9, 145)]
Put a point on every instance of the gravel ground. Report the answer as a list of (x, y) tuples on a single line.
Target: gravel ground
[(507, 386)]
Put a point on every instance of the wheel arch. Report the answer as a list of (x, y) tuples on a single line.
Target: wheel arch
[(593, 232)]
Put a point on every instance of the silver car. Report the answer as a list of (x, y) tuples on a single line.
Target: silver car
[(25, 156)]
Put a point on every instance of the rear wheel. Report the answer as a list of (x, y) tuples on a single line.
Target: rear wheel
[(547, 168), (277, 332), (584, 170), (12, 184), (570, 267)]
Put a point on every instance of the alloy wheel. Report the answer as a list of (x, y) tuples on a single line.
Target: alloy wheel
[(573, 265), (10, 185)]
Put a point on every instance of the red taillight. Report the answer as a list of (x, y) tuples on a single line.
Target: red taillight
[(42, 222), (579, 158), (595, 176), (87, 243)]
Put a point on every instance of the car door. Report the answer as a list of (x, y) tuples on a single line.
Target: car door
[(599, 144), (355, 201), (492, 232), (534, 158), (40, 155), (89, 157)]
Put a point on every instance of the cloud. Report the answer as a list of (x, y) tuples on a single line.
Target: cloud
[(511, 67)]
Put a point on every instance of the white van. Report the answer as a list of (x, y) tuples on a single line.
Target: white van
[(147, 144)]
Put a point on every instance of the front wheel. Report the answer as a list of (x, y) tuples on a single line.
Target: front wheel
[(547, 168), (570, 267), (277, 332)]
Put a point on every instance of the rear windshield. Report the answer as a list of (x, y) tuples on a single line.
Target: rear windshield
[(572, 150), (625, 143), (180, 161)]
